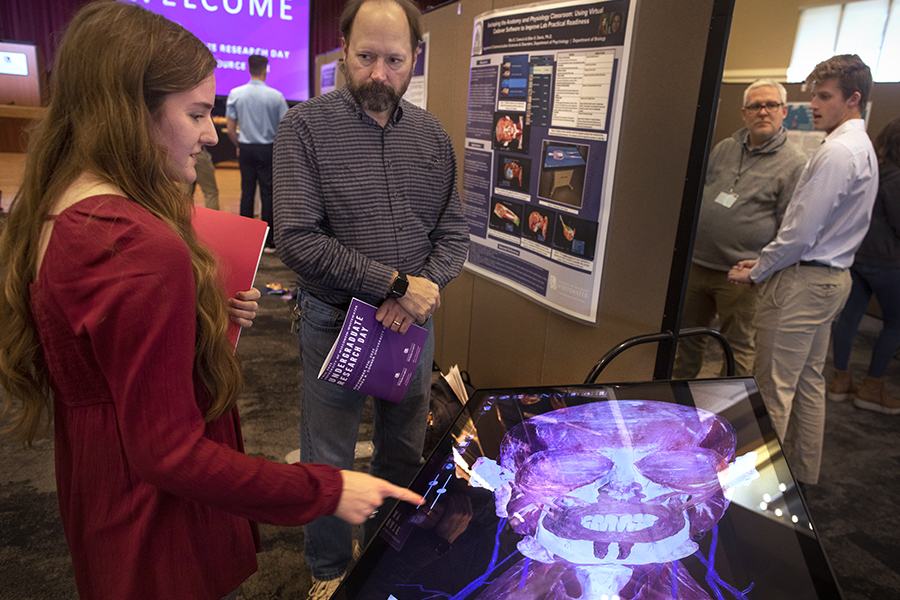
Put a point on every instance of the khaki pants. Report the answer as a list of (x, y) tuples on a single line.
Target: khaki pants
[(206, 179), (793, 328), (708, 294)]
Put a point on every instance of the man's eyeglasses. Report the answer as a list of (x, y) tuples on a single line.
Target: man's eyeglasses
[(769, 106)]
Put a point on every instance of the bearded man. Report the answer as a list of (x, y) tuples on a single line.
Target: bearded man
[(366, 206)]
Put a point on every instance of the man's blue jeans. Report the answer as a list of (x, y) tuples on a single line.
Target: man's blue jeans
[(885, 284), (329, 425)]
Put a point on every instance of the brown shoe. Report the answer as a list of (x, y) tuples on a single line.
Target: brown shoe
[(873, 396), (841, 387)]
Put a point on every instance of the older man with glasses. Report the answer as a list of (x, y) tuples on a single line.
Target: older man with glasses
[(749, 181)]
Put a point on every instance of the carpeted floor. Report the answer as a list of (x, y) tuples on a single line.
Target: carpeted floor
[(856, 508)]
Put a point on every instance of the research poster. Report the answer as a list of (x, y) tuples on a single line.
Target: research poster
[(546, 87), (800, 130), (328, 77), (417, 92)]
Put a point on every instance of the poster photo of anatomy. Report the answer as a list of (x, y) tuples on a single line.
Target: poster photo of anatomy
[(510, 132), (513, 173), (575, 240), (546, 88), (506, 220), (537, 234)]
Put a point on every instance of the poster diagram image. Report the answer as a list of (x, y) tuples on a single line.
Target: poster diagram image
[(611, 24), (575, 236), (506, 217), (545, 85), (562, 173), (510, 132), (568, 232), (514, 77), (538, 223), (799, 117), (513, 173)]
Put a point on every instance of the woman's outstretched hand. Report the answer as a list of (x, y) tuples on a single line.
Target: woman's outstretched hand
[(362, 494)]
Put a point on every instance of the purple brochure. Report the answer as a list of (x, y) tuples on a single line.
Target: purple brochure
[(370, 358)]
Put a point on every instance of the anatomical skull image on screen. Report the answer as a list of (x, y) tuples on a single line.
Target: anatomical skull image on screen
[(609, 496)]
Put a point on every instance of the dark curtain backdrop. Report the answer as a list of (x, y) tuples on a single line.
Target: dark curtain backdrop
[(39, 21), (43, 21)]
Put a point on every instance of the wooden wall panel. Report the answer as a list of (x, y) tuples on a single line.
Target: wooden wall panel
[(762, 39), (507, 338)]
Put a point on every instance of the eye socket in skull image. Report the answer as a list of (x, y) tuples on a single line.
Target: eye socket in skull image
[(608, 497)]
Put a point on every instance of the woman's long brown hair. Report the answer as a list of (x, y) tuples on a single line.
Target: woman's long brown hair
[(116, 64)]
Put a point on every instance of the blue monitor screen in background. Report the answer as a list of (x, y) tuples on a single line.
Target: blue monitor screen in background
[(235, 29)]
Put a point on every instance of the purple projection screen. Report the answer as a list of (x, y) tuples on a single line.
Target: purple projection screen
[(235, 29)]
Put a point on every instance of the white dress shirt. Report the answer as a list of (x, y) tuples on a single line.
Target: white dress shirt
[(828, 215)]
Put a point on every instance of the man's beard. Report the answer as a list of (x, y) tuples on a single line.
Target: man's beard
[(375, 96)]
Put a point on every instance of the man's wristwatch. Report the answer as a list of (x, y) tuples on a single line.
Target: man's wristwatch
[(442, 547), (399, 285)]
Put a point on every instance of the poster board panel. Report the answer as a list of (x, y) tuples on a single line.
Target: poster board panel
[(544, 114)]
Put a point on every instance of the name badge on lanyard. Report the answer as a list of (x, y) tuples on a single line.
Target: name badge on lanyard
[(726, 199)]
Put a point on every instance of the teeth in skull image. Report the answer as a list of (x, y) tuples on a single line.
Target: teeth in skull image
[(615, 523)]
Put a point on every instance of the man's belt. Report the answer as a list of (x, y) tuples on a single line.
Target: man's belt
[(344, 307), (815, 263)]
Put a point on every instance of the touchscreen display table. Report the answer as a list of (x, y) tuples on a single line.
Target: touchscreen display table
[(657, 490)]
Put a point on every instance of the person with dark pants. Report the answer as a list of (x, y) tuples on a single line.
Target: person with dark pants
[(256, 168), (876, 270), (253, 113)]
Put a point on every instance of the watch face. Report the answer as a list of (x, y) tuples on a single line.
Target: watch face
[(401, 283), (442, 547)]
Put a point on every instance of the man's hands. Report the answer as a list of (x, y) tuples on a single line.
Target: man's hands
[(421, 299), (393, 316), (740, 273), (362, 494), (242, 308)]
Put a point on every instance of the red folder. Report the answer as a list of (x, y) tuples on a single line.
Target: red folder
[(238, 243)]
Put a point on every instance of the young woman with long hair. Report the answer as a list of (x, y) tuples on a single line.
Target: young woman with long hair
[(112, 327)]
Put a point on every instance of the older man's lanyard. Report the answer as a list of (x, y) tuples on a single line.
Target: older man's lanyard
[(727, 199)]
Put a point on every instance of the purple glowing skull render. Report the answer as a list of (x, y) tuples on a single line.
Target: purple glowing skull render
[(610, 495)]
